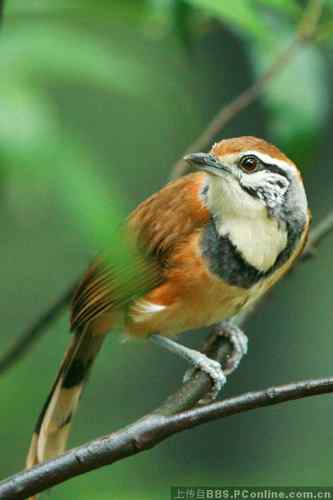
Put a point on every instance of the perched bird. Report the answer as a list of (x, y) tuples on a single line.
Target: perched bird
[(216, 240)]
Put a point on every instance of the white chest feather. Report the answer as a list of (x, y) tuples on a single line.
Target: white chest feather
[(257, 236), (259, 241)]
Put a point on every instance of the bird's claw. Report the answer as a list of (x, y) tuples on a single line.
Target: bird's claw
[(212, 368), (239, 342)]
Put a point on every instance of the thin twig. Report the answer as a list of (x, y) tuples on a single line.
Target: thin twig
[(147, 433), (233, 108), (323, 229)]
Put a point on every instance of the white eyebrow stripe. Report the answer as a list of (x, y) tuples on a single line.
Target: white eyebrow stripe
[(265, 158)]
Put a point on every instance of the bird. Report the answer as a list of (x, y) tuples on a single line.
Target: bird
[(208, 246)]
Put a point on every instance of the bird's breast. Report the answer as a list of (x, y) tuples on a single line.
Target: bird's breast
[(225, 260)]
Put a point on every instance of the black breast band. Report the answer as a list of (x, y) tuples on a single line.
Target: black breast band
[(224, 259)]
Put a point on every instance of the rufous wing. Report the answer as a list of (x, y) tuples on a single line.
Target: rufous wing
[(158, 226)]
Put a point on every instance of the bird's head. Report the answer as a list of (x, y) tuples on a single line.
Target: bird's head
[(248, 176)]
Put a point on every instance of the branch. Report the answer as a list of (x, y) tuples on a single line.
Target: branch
[(305, 32), (147, 433)]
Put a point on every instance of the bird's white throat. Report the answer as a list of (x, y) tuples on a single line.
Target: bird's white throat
[(244, 219)]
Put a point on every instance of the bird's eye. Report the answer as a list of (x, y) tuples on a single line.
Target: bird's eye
[(249, 164)]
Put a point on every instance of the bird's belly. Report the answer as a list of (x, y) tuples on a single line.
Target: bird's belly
[(202, 302), (214, 303)]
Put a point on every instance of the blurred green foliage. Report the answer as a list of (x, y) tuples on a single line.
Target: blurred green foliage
[(97, 100)]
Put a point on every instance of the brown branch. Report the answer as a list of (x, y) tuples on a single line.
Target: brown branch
[(147, 433)]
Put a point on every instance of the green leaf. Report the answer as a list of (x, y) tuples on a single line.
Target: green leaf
[(240, 14)]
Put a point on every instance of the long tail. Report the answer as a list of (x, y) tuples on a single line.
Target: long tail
[(53, 426)]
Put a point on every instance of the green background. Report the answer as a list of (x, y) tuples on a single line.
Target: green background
[(97, 101)]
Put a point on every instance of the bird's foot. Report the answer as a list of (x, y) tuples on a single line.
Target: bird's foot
[(239, 342), (198, 360), (209, 366)]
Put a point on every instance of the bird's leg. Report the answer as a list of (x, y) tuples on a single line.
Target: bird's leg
[(237, 339), (199, 360), (239, 345)]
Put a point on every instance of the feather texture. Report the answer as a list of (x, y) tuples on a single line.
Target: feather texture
[(53, 426)]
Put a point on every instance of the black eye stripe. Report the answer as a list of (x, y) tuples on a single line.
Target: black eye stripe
[(275, 169)]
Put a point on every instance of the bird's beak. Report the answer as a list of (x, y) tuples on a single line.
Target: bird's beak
[(208, 162)]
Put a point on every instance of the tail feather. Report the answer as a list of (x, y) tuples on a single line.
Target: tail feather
[(53, 426)]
